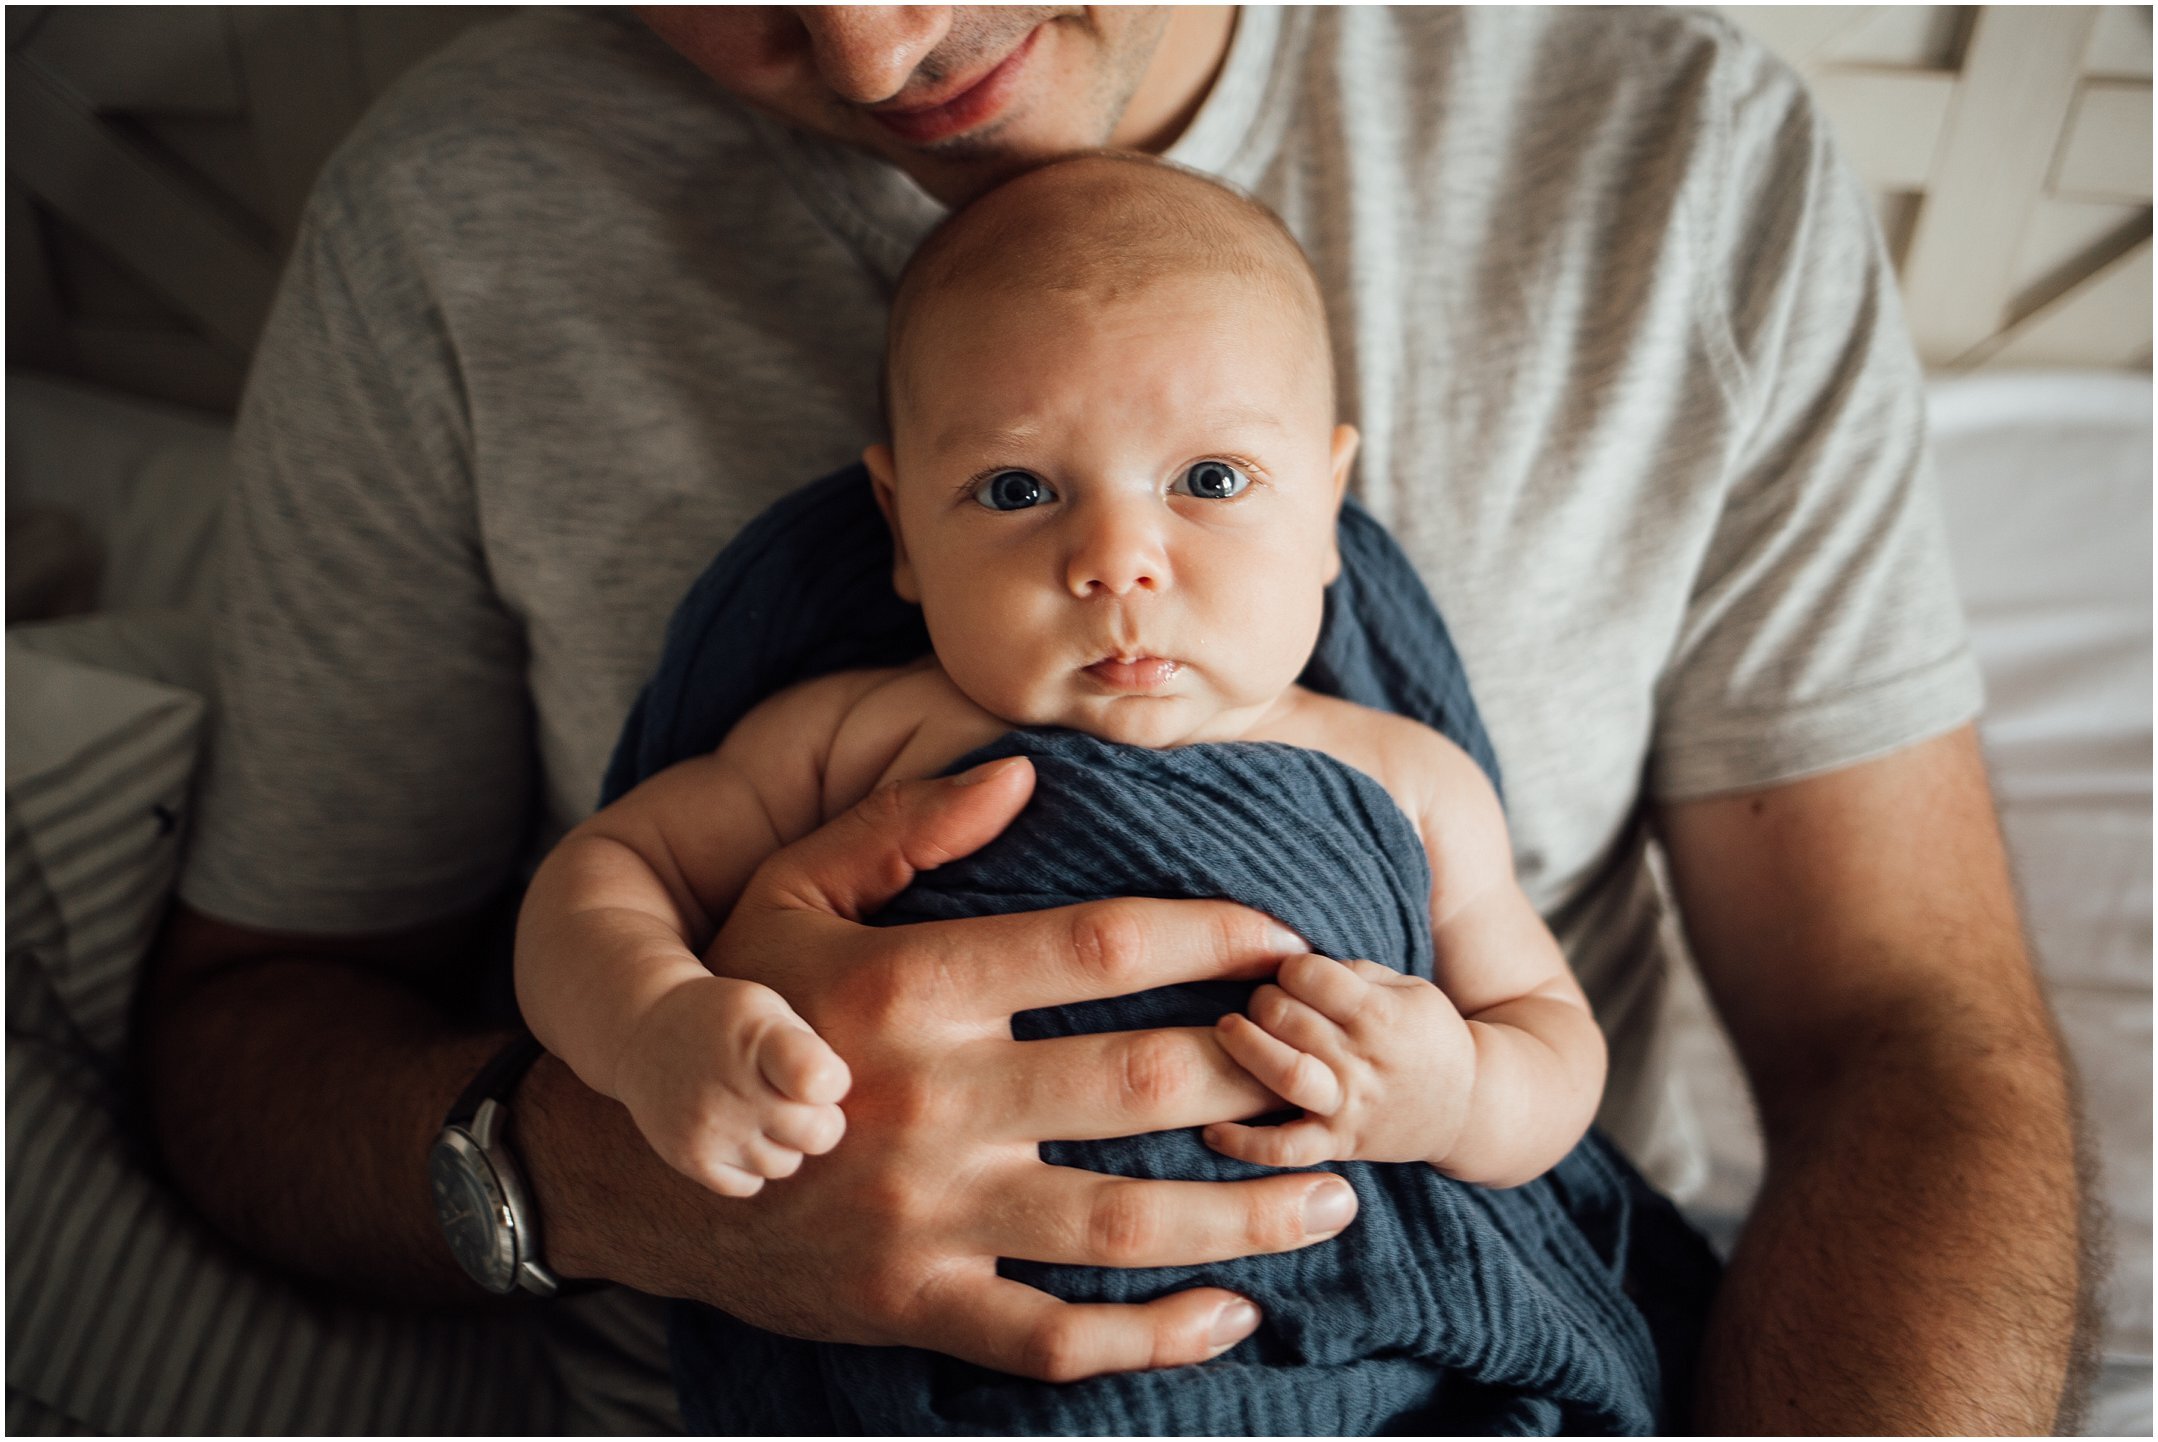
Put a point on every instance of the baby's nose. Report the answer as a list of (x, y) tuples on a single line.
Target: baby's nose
[(1117, 555)]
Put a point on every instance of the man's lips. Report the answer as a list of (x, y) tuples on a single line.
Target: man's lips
[(1138, 673), (976, 103)]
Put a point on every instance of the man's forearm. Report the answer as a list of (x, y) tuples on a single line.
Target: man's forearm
[(294, 1101), (1911, 1265)]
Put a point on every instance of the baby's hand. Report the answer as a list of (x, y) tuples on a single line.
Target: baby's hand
[(1381, 1063), (730, 1086)]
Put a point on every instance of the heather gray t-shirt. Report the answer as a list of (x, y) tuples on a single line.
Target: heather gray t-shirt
[(1611, 315)]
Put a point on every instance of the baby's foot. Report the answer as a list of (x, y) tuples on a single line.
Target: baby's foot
[(730, 1086)]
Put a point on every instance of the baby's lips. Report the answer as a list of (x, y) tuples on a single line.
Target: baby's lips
[(1142, 673)]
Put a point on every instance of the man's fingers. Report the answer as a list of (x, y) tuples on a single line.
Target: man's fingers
[(1083, 1218), (1303, 1143), (1297, 1077), (866, 855), (1096, 949), (1113, 1084), (1012, 1327)]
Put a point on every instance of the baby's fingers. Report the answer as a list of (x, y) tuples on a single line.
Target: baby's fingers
[(761, 1156), (1336, 990), (811, 1129), (1297, 1023), (1297, 1077), (1303, 1143), (799, 1065), (722, 1177)]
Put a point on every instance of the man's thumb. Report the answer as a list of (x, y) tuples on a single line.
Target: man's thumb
[(865, 856)]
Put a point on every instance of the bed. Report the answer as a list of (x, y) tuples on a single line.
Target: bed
[(2041, 406)]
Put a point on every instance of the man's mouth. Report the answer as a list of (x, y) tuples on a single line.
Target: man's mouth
[(973, 103), (1134, 673)]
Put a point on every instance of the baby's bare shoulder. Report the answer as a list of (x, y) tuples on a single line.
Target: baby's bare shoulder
[(1438, 784), (782, 747), (910, 722), (1419, 765), (805, 716)]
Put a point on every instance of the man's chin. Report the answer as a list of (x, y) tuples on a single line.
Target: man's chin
[(955, 171)]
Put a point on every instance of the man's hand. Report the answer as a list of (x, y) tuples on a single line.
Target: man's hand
[(893, 1237), (1382, 1064)]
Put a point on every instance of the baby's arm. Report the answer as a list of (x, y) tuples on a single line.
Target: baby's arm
[(725, 1081), (1492, 1075)]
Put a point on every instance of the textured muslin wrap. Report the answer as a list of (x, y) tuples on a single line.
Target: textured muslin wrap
[(1571, 1304)]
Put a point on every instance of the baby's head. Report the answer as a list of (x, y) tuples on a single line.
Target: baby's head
[(1114, 468)]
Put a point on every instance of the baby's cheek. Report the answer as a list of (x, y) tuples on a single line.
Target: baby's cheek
[(993, 671)]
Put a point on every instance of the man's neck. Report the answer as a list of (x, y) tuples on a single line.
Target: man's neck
[(1179, 78)]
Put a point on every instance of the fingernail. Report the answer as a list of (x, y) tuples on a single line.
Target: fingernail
[(977, 775), (1288, 942), (1232, 1324), (1328, 1208)]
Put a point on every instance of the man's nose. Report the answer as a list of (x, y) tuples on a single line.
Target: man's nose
[(1117, 549), (866, 52)]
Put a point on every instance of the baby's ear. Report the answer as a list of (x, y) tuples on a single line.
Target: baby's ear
[(1344, 456), (883, 478)]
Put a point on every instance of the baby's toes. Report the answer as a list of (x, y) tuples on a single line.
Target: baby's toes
[(797, 1064), (812, 1129)]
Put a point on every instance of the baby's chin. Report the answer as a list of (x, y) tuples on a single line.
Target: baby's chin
[(1157, 722)]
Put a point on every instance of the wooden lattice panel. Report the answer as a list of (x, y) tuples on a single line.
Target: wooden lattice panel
[(2009, 148)]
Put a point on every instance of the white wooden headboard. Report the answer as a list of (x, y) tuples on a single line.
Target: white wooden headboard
[(157, 157), (2009, 148)]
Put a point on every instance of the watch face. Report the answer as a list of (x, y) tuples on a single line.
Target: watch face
[(474, 1218)]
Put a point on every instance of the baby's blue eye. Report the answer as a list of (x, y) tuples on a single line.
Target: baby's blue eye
[(1214, 481), (1011, 491)]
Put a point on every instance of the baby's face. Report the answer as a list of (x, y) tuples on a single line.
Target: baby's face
[(1117, 516)]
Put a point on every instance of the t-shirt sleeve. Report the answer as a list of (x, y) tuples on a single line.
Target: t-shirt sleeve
[(1823, 627), (372, 763)]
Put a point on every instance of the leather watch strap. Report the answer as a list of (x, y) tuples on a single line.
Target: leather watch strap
[(494, 1083), (496, 1079)]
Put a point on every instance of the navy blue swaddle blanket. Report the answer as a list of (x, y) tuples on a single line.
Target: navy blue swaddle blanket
[(1571, 1304)]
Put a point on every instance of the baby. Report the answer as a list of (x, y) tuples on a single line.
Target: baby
[(1112, 485)]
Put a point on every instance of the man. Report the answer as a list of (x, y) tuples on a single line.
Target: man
[(1625, 354)]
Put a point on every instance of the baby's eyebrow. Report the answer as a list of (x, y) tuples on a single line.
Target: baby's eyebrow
[(1242, 415), (1011, 438), (989, 438)]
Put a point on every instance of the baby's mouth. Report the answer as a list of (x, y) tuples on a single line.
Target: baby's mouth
[(1134, 673)]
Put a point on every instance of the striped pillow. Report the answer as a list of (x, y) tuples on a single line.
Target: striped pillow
[(126, 1313), (128, 1316), (98, 770)]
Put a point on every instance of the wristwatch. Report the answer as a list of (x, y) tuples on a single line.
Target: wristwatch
[(480, 1198)]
